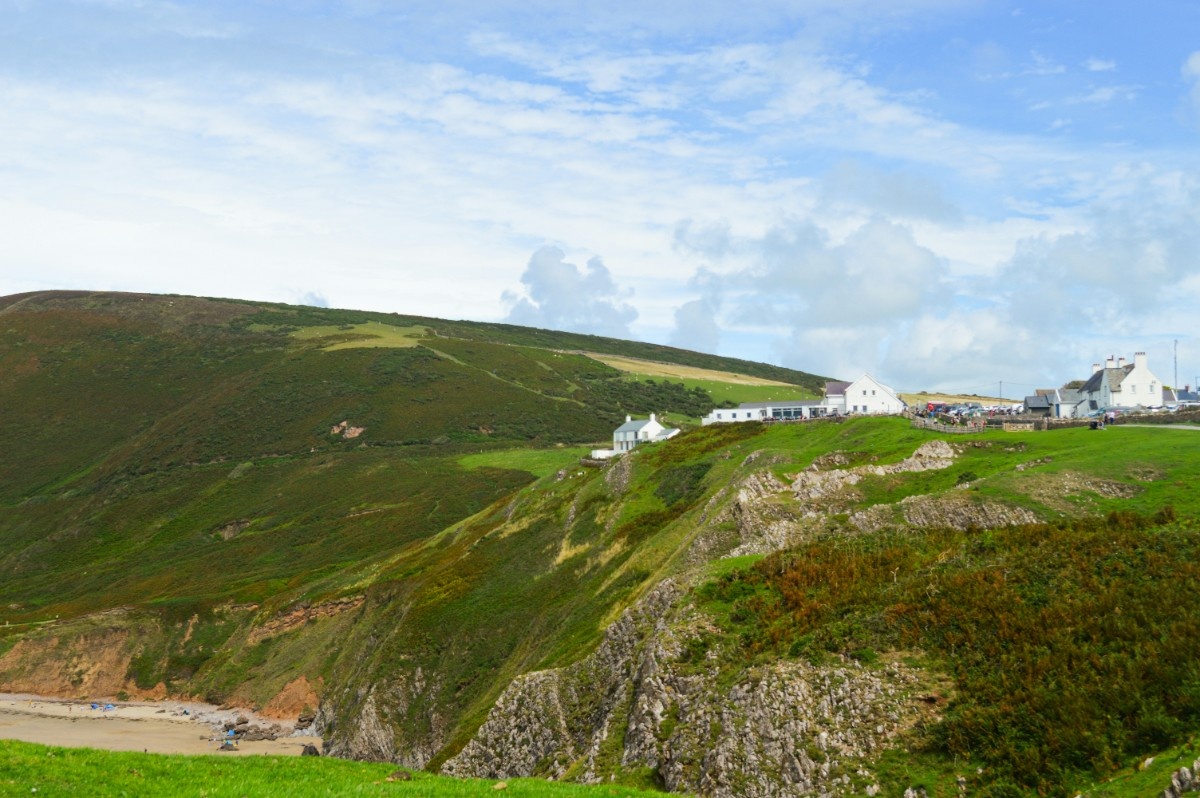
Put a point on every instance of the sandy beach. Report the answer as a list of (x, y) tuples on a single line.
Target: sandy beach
[(162, 727)]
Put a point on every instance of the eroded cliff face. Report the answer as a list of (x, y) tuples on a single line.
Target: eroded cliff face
[(641, 701), (647, 700), (75, 663)]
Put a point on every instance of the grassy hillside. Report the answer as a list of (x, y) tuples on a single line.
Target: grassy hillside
[(228, 499), (199, 439)]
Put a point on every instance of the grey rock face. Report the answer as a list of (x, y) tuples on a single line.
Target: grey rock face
[(372, 736), (787, 730)]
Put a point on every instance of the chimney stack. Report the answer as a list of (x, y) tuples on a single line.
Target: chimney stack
[(1120, 362), (1111, 363), (651, 416), (628, 419), (1095, 367), (1139, 359)]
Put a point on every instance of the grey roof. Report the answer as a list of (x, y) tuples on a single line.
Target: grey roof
[(836, 388), (1114, 377), (1188, 396), (1037, 402), (633, 426), (1069, 396)]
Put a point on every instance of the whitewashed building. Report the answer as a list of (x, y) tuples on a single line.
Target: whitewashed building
[(866, 395), (787, 410), (1120, 384), (633, 433)]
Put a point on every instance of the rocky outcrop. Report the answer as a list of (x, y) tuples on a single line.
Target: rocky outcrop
[(962, 512), (618, 475), (298, 616), (548, 720), (822, 490), (643, 701), (789, 729), (375, 710), (1183, 781)]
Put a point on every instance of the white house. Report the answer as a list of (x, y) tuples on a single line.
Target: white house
[(864, 395), (1120, 384), (1066, 402), (633, 433)]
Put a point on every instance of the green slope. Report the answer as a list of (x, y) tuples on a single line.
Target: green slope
[(185, 461)]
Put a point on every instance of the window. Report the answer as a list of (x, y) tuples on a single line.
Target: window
[(864, 391)]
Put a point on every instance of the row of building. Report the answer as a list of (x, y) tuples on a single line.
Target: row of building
[(864, 395), (1114, 385)]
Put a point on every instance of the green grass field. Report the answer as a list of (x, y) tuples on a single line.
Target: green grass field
[(721, 392), (49, 772), (539, 462)]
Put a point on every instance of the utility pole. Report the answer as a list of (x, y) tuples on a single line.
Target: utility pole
[(1001, 389), (1175, 385)]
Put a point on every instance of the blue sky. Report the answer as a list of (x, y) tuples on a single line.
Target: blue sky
[(945, 193)]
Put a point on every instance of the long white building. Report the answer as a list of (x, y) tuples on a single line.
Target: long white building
[(866, 395)]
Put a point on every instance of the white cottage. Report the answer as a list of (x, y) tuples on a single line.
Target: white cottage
[(865, 395), (1121, 384), (633, 433)]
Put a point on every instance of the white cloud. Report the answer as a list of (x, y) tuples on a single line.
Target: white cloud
[(1099, 65), (696, 327), (1043, 65), (1105, 94), (560, 296)]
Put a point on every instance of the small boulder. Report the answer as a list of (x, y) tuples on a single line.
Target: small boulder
[(310, 750)]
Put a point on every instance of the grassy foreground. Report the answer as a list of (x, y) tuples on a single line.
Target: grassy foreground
[(28, 769)]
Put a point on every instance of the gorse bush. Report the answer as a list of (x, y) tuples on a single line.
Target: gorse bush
[(1073, 647)]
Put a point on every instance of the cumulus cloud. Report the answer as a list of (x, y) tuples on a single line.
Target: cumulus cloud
[(834, 304), (313, 299), (696, 325), (878, 274), (560, 296), (1129, 261)]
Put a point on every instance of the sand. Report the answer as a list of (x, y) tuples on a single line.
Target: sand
[(159, 727)]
